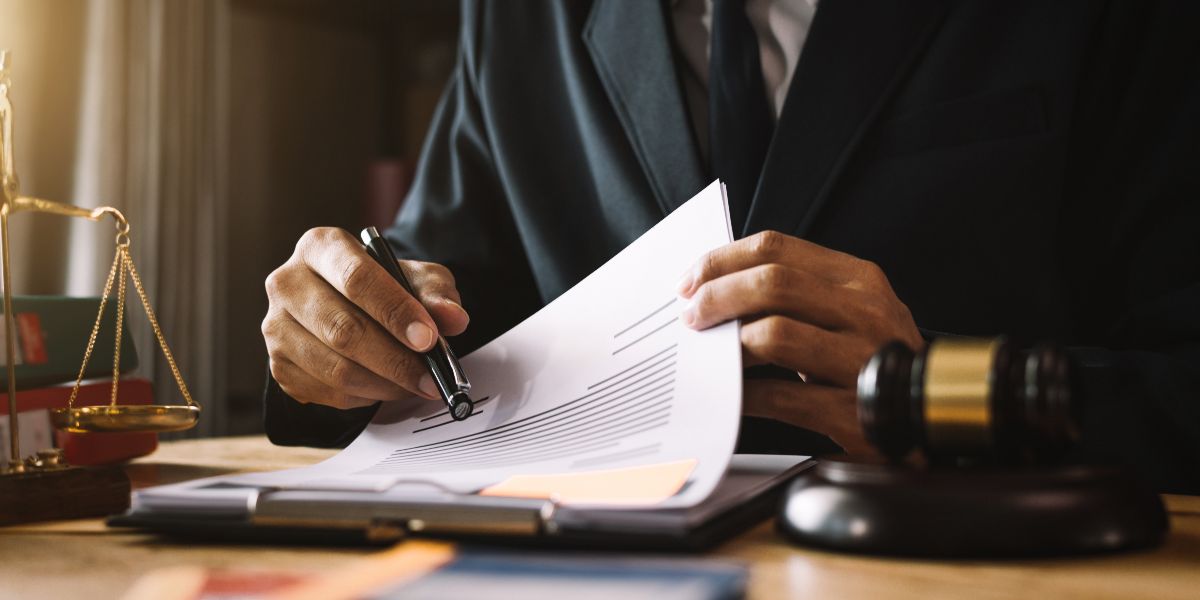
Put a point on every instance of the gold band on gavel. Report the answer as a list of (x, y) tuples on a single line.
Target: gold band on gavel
[(958, 389)]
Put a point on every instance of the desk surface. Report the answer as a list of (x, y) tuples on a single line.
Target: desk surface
[(82, 559)]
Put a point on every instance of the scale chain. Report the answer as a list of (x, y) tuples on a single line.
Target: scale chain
[(122, 262), (91, 345), (162, 341), (122, 253)]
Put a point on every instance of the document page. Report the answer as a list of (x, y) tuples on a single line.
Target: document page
[(605, 377)]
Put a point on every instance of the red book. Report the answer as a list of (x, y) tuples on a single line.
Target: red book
[(86, 449)]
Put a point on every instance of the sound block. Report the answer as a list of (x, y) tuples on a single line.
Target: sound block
[(971, 512), (66, 493)]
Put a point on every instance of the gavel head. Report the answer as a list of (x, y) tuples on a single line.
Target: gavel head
[(969, 400)]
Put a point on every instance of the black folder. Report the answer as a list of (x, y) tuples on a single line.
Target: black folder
[(749, 493)]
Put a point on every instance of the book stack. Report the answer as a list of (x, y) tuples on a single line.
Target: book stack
[(52, 334)]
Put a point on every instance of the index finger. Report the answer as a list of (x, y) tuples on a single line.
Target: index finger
[(765, 248), (339, 259)]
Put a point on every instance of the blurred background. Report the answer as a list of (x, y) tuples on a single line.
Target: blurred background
[(223, 129)]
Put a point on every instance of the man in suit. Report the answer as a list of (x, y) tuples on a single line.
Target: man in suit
[(897, 170)]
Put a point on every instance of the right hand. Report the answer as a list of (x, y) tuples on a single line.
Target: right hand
[(341, 332)]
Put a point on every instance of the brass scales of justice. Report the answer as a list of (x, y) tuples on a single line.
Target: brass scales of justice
[(43, 486)]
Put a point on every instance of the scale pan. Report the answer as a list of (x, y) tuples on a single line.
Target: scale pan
[(115, 419)]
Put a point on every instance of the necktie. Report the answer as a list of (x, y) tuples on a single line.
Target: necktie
[(740, 122)]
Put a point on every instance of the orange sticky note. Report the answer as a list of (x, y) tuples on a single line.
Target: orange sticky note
[(644, 485)]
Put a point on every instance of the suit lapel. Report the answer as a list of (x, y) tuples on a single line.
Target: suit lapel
[(631, 46), (856, 55)]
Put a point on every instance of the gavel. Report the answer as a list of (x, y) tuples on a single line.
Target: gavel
[(995, 424), (964, 400)]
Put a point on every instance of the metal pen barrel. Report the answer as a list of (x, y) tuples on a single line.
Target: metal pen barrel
[(447, 374)]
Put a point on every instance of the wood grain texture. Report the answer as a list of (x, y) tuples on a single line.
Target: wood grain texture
[(70, 493), (82, 559)]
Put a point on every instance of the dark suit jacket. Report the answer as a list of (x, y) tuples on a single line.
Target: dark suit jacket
[(1022, 168)]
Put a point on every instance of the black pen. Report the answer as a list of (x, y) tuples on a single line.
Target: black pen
[(443, 365)]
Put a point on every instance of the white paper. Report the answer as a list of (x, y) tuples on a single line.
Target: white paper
[(604, 376)]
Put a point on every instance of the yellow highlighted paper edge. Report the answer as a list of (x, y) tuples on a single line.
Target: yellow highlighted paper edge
[(628, 486)]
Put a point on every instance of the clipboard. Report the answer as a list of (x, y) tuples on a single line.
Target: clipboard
[(749, 493)]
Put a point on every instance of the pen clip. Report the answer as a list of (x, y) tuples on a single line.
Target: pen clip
[(460, 377)]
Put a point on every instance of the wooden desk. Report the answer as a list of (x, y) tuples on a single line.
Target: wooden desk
[(80, 559)]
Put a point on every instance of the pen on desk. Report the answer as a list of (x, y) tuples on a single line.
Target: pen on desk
[(443, 365)]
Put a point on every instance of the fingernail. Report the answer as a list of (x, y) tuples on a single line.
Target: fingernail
[(688, 316), (685, 284), (456, 305), (419, 335), (427, 386)]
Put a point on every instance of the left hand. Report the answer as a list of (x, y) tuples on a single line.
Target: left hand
[(809, 309)]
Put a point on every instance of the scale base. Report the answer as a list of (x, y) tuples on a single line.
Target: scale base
[(974, 512), (62, 493)]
